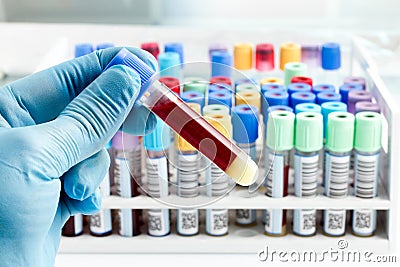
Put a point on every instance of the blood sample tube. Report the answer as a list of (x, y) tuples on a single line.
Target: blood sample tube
[(367, 145), (297, 87), (346, 88), (127, 174), (216, 47), (176, 48), (219, 87), (355, 80), (221, 80), (320, 88), (83, 49), (223, 97), (307, 107), (308, 143), (172, 83), (274, 98), (339, 144), (248, 98), (357, 96), (156, 144), (328, 97), (104, 46), (245, 134), (101, 222), (200, 87), (188, 182), (328, 108), (215, 109), (302, 79), (331, 63), (193, 97), (247, 87), (169, 65), (289, 52), (280, 140), (221, 64), (367, 106), (245, 80), (272, 86), (243, 56), (294, 69), (191, 127), (301, 97), (268, 80), (217, 182), (152, 48), (265, 60)]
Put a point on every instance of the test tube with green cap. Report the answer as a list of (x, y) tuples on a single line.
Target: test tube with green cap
[(280, 130), (308, 142), (367, 146), (293, 69), (338, 147)]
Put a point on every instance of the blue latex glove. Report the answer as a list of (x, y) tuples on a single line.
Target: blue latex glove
[(53, 127)]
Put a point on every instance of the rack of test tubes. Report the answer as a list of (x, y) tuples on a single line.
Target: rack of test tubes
[(313, 115)]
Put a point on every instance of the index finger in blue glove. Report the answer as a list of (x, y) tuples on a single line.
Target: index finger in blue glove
[(45, 94)]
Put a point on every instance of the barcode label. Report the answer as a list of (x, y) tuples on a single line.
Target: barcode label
[(274, 221), (275, 175), (157, 177), (217, 181), (217, 221), (335, 222), (158, 222), (246, 216), (188, 222), (306, 175), (304, 222), (105, 186), (137, 164), (366, 175), (123, 177), (188, 175), (125, 222), (100, 223), (336, 175), (78, 223), (364, 222)]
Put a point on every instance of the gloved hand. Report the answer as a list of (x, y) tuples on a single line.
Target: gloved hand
[(53, 127)]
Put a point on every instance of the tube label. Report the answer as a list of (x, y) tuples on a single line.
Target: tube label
[(366, 169), (157, 176), (306, 175), (246, 216), (216, 181), (336, 175), (78, 223), (304, 222), (275, 175), (100, 223), (364, 222), (334, 222), (125, 222), (217, 221), (158, 222), (274, 222), (105, 186), (123, 177), (187, 221), (188, 175)]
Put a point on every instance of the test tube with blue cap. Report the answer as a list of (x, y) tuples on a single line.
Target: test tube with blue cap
[(320, 88), (346, 88), (301, 97), (328, 97), (331, 64), (222, 97), (245, 134), (190, 126), (156, 144), (221, 64), (104, 46), (83, 49), (175, 47), (193, 97)]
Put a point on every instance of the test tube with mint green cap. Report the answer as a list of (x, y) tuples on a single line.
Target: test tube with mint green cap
[(367, 146), (338, 147), (293, 69), (280, 130), (308, 143)]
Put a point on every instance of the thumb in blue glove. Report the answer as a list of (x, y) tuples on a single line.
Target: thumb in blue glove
[(53, 128)]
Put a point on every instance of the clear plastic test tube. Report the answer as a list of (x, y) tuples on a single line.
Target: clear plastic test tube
[(339, 144), (191, 127), (245, 134), (279, 143), (156, 144), (367, 145), (188, 173), (217, 182), (308, 143)]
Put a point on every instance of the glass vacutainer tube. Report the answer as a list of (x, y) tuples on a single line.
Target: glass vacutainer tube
[(186, 122)]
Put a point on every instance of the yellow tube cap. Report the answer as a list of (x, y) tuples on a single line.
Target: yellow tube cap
[(243, 56), (275, 80), (248, 98), (290, 52)]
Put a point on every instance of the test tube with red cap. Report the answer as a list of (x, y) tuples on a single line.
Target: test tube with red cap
[(152, 48), (191, 127)]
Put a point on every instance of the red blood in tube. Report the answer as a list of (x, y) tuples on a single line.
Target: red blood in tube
[(172, 83), (221, 80), (265, 57), (302, 79), (152, 48), (199, 133)]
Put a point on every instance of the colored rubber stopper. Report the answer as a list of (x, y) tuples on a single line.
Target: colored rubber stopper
[(328, 97), (330, 56), (243, 56), (280, 129), (289, 52), (357, 96), (172, 83), (294, 69), (221, 80), (245, 124), (329, 107), (355, 80), (368, 131), (346, 88), (265, 60), (367, 106), (302, 79), (307, 107), (221, 97), (221, 63), (320, 88), (340, 132), (309, 132), (152, 48), (301, 97)]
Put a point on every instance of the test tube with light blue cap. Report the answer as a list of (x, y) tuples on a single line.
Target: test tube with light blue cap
[(169, 65), (176, 48), (156, 144), (245, 134), (307, 107)]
